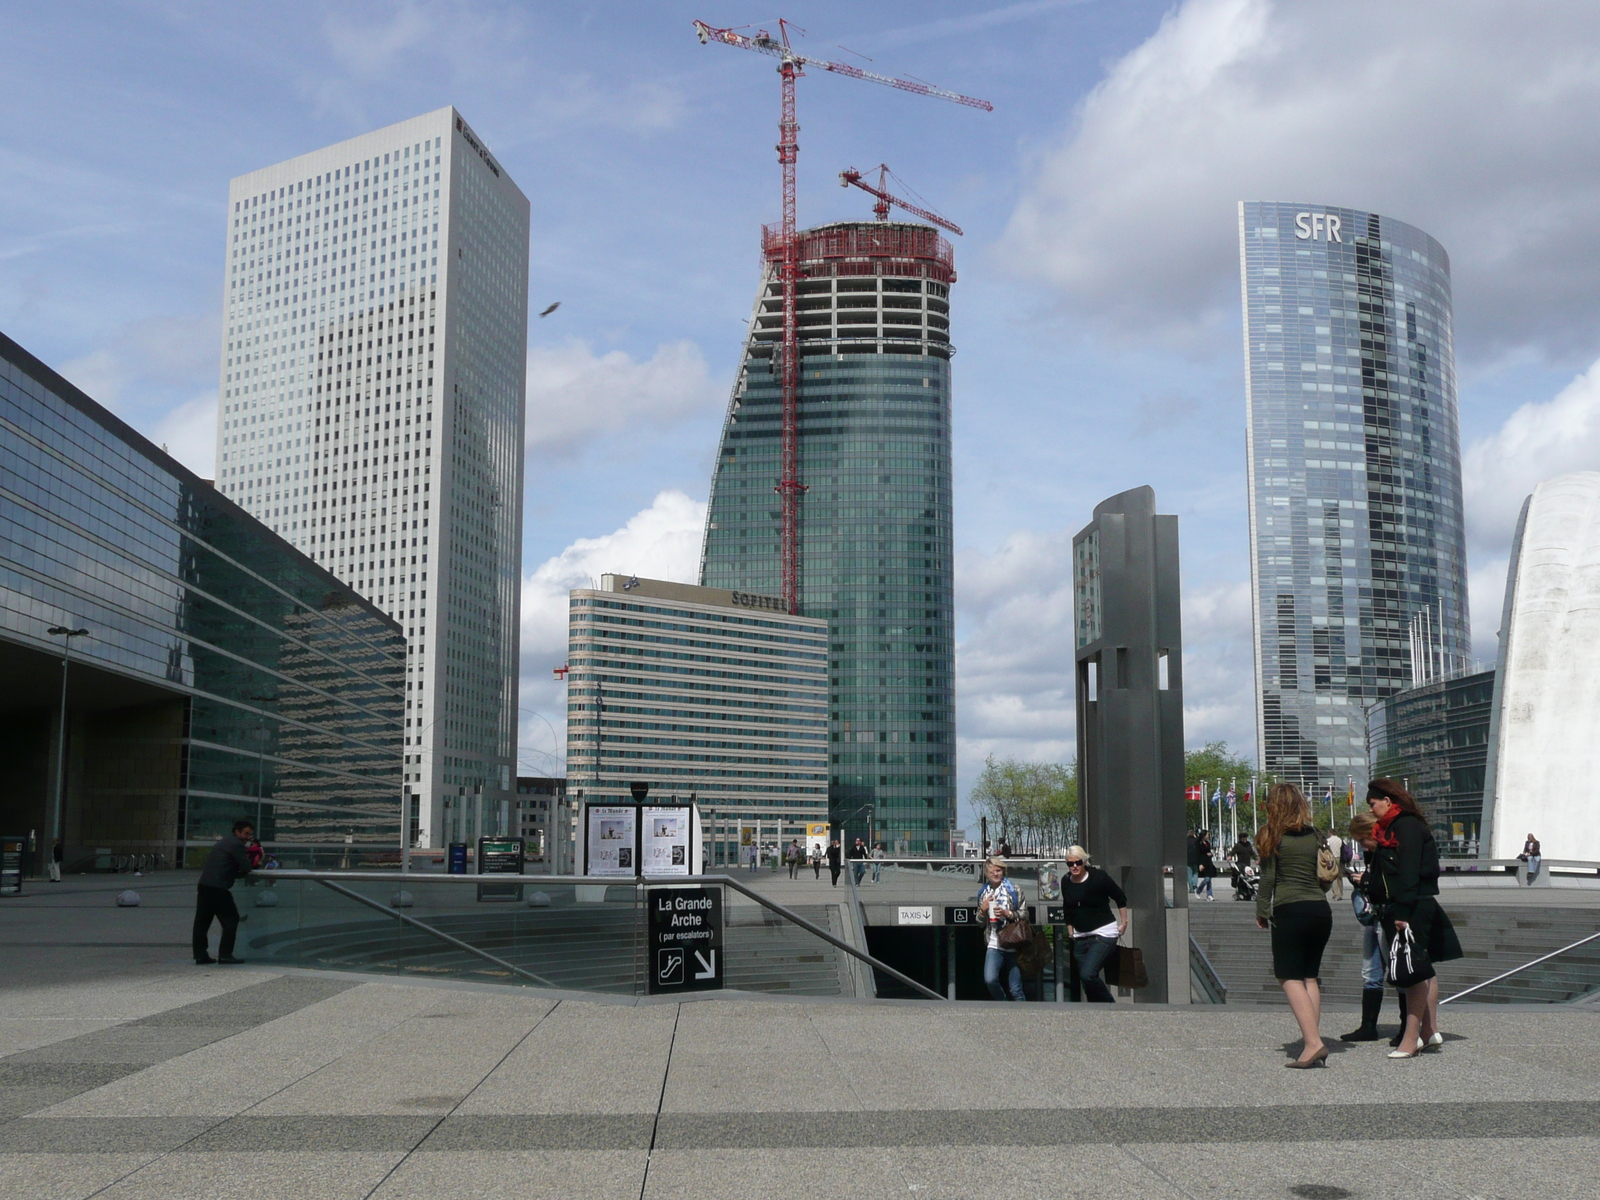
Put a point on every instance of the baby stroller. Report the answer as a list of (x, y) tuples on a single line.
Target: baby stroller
[(1245, 881)]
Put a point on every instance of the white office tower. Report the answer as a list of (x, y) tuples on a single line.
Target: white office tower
[(373, 378)]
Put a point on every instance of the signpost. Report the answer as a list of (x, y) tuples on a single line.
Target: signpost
[(12, 850), (458, 858), (685, 949), (500, 856)]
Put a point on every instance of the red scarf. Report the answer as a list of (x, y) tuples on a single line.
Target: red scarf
[(1380, 831)]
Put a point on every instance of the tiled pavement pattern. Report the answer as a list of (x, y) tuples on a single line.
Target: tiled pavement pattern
[(157, 1079)]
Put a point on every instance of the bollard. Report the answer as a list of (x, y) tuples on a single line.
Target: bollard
[(128, 899), (266, 898), (538, 900), (401, 899)]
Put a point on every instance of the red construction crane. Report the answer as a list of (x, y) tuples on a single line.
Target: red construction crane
[(852, 178), (790, 68)]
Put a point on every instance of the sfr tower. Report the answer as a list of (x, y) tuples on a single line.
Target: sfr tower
[(873, 305)]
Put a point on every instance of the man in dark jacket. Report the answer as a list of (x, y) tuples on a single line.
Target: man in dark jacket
[(229, 860), (833, 861)]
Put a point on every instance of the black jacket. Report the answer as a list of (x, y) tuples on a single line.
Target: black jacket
[(228, 861), (833, 854), (1086, 906), (1399, 876), (1193, 851)]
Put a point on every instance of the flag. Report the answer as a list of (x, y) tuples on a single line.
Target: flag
[(1328, 799), (1193, 792), (1352, 797), (1232, 799), (1216, 796)]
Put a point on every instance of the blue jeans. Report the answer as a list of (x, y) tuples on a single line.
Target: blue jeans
[(1194, 878), (1533, 867), (1091, 954), (1001, 965), (1372, 966), (1204, 885)]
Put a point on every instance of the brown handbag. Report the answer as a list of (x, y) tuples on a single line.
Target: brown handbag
[(1014, 935), (1130, 968)]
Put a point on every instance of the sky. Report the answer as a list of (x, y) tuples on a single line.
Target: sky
[(1096, 316)]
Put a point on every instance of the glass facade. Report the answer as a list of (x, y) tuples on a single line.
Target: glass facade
[(259, 684), (875, 520), (1354, 474), (1436, 739)]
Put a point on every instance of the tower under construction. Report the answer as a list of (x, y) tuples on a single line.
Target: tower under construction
[(874, 529)]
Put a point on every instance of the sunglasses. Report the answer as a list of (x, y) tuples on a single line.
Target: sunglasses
[(1074, 862)]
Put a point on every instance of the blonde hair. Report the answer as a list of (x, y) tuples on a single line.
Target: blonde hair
[(1287, 808), (994, 860), (1362, 825), (1078, 852)]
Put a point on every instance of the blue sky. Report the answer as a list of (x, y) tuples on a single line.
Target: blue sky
[(1096, 317)]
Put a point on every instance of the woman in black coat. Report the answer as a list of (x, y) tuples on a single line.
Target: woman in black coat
[(1402, 883)]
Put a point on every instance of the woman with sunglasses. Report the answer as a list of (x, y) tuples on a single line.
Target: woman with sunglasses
[(1087, 894), (1402, 881), (1292, 903)]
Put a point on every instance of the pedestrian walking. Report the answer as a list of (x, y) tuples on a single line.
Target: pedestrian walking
[(58, 855), (858, 860), (794, 856), (1291, 903), (816, 861), (1087, 894), (878, 855), (1531, 854), (229, 860), (999, 903), (1372, 965), (834, 866), (1208, 866), (1403, 884), (1193, 852)]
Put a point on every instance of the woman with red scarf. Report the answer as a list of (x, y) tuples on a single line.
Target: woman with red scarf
[(1403, 886)]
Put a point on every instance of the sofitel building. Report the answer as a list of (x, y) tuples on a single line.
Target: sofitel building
[(1354, 475), (373, 366), (875, 520)]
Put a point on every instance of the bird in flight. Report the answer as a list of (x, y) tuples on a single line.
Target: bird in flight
[(551, 309)]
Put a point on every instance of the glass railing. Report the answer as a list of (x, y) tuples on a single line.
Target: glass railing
[(563, 932)]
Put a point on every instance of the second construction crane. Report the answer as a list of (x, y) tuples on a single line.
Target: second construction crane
[(791, 66)]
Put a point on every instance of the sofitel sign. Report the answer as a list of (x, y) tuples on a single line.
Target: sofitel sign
[(1312, 225), (748, 600)]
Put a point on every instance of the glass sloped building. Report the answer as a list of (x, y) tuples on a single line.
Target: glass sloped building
[(875, 521), (224, 674), (1354, 474)]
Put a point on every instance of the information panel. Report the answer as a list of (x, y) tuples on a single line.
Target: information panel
[(685, 951), (613, 839), (11, 852), (500, 856), (666, 841)]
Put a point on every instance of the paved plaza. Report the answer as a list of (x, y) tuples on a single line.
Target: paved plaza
[(125, 1071)]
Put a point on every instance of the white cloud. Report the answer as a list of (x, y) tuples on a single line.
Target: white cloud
[(661, 542), (1538, 441), (575, 395), (189, 433), (1015, 658), (1472, 121), (150, 352)]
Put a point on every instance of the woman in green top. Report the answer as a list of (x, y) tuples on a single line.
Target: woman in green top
[(1292, 904)]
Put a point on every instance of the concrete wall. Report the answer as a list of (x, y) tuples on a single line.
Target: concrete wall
[(1545, 725)]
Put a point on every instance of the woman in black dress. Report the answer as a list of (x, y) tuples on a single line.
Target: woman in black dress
[(1403, 885), (1292, 904)]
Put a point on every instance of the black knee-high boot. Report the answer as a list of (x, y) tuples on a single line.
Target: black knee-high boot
[(1399, 1034), (1371, 1002)]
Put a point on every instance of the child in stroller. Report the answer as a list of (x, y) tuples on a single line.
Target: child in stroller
[(1245, 881)]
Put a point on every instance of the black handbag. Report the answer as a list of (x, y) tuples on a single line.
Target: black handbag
[(1408, 962), (1131, 972)]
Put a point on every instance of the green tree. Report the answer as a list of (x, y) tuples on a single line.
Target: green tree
[(1031, 805)]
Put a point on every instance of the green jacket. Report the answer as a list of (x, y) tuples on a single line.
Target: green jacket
[(1290, 875)]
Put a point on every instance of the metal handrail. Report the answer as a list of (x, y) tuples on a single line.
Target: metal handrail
[(1523, 967), (1210, 982), (327, 877)]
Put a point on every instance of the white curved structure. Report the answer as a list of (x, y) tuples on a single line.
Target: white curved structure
[(1544, 733)]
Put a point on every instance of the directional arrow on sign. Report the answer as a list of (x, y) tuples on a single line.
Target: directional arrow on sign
[(708, 966)]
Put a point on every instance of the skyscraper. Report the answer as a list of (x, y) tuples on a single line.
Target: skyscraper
[(1354, 474), (875, 521), (371, 412)]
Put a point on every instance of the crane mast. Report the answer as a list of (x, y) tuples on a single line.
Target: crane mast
[(791, 66)]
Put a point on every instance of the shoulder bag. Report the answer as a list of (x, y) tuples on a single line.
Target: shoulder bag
[(1327, 863), (1131, 971)]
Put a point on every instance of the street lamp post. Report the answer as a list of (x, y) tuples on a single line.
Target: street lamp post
[(66, 635)]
